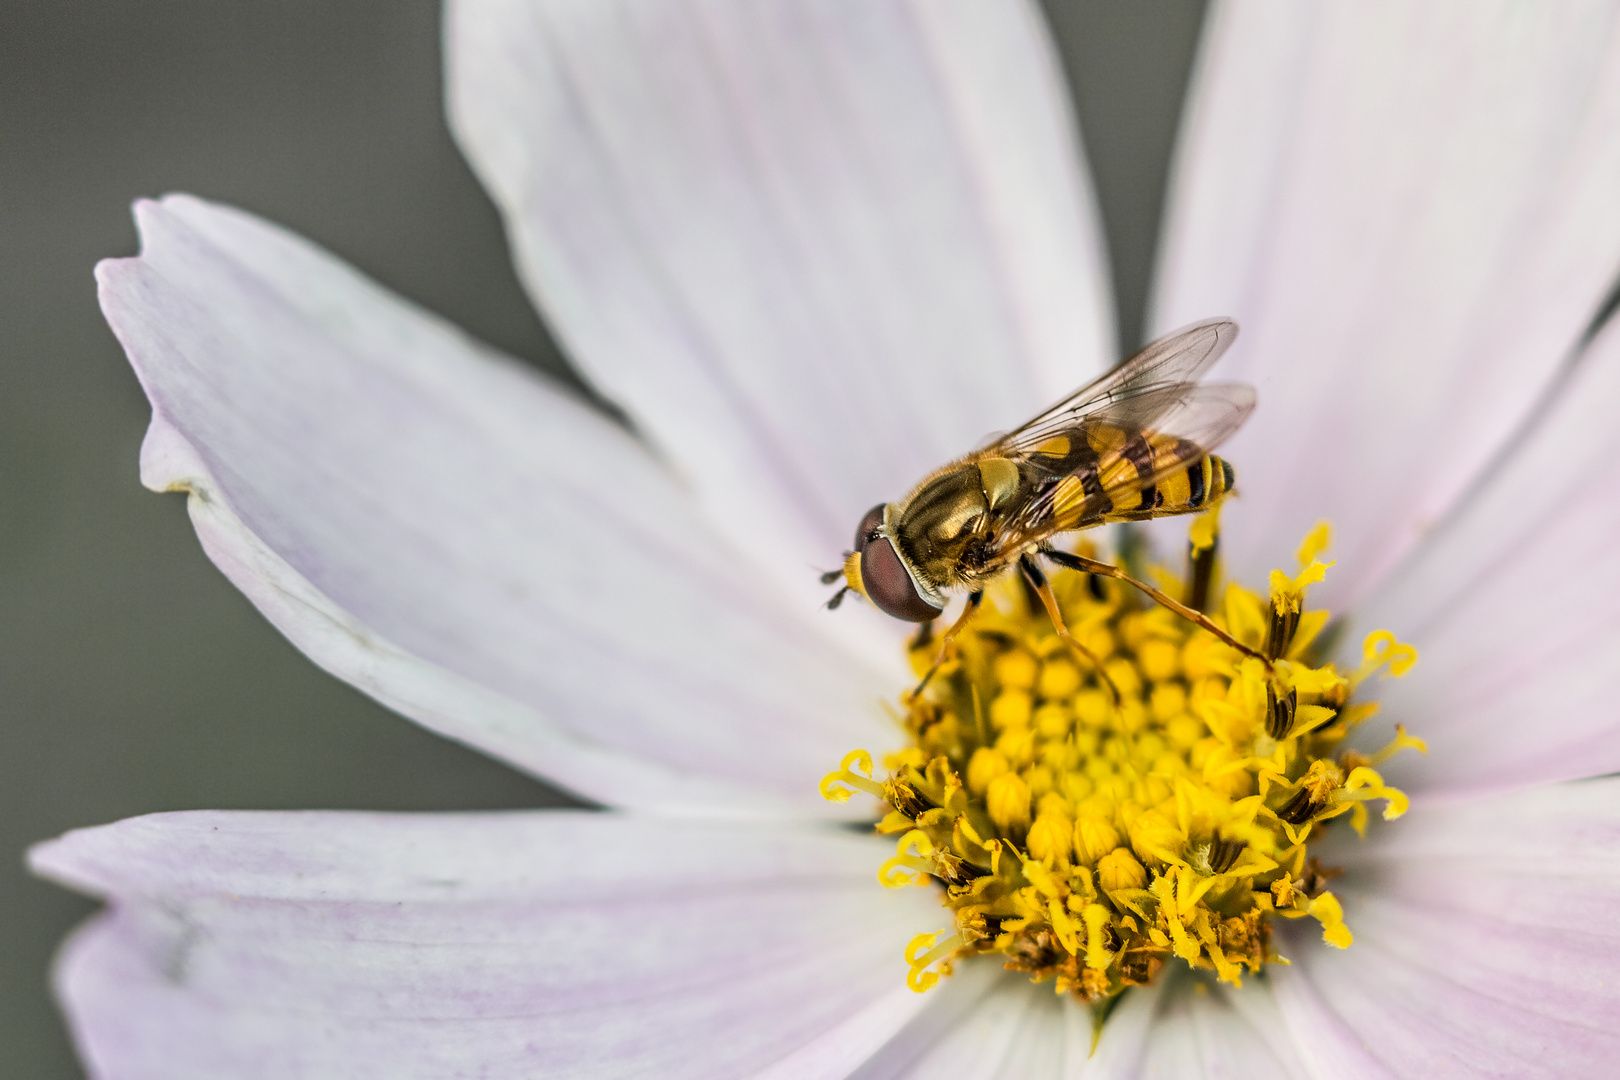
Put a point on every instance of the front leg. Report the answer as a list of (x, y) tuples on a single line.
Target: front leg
[(947, 643), (1043, 589)]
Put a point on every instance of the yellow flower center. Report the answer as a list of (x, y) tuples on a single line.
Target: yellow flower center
[(1089, 826)]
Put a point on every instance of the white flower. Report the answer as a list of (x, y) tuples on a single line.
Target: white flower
[(814, 249)]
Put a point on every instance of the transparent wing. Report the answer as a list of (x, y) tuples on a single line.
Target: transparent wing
[(1145, 438), (1174, 360)]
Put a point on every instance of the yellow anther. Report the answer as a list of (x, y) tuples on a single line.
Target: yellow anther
[(854, 781)]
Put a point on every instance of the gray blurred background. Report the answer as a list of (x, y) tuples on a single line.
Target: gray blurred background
[(132, 677)]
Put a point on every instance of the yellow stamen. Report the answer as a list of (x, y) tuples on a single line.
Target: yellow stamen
[(845, 774), (912, 862), (1381, 649), (1318, 540), (1326, 910), (920, 978), (1087, 826)]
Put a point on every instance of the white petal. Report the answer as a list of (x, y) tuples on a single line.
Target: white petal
[(1410, 209), (844, 1050), (989, 1023), (398, 946), (1487, 937), (1202, 1030), (460, 540), (1010, 1029), (814, 249), (1512, 606)]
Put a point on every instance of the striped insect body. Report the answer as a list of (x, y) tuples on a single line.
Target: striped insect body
[(1135, 444)]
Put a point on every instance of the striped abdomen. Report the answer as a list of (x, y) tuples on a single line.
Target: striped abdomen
[(1184, 489), (1116, 475)]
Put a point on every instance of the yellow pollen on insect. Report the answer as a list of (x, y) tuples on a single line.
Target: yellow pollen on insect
[(1091, 827)]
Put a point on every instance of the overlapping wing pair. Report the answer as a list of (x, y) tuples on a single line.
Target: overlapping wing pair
[(1152, 399)]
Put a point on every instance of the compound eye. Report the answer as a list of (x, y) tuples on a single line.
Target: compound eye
[(866, 531), (889, 586)]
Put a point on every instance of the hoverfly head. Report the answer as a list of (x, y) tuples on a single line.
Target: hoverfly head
[(875, 570)]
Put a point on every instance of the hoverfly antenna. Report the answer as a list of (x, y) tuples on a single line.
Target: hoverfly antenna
[(837, 597), (833, 575)]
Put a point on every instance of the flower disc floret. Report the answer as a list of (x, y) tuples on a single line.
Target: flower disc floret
[(1092, 813)]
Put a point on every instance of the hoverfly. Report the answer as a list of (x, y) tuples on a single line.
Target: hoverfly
[(1135, 444)]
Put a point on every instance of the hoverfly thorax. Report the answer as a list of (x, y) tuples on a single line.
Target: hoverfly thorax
[(947, 526)]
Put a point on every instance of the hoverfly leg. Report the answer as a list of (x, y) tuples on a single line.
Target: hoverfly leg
[(1092, 566), (947, 642), (924, 634), (1043, 589)]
